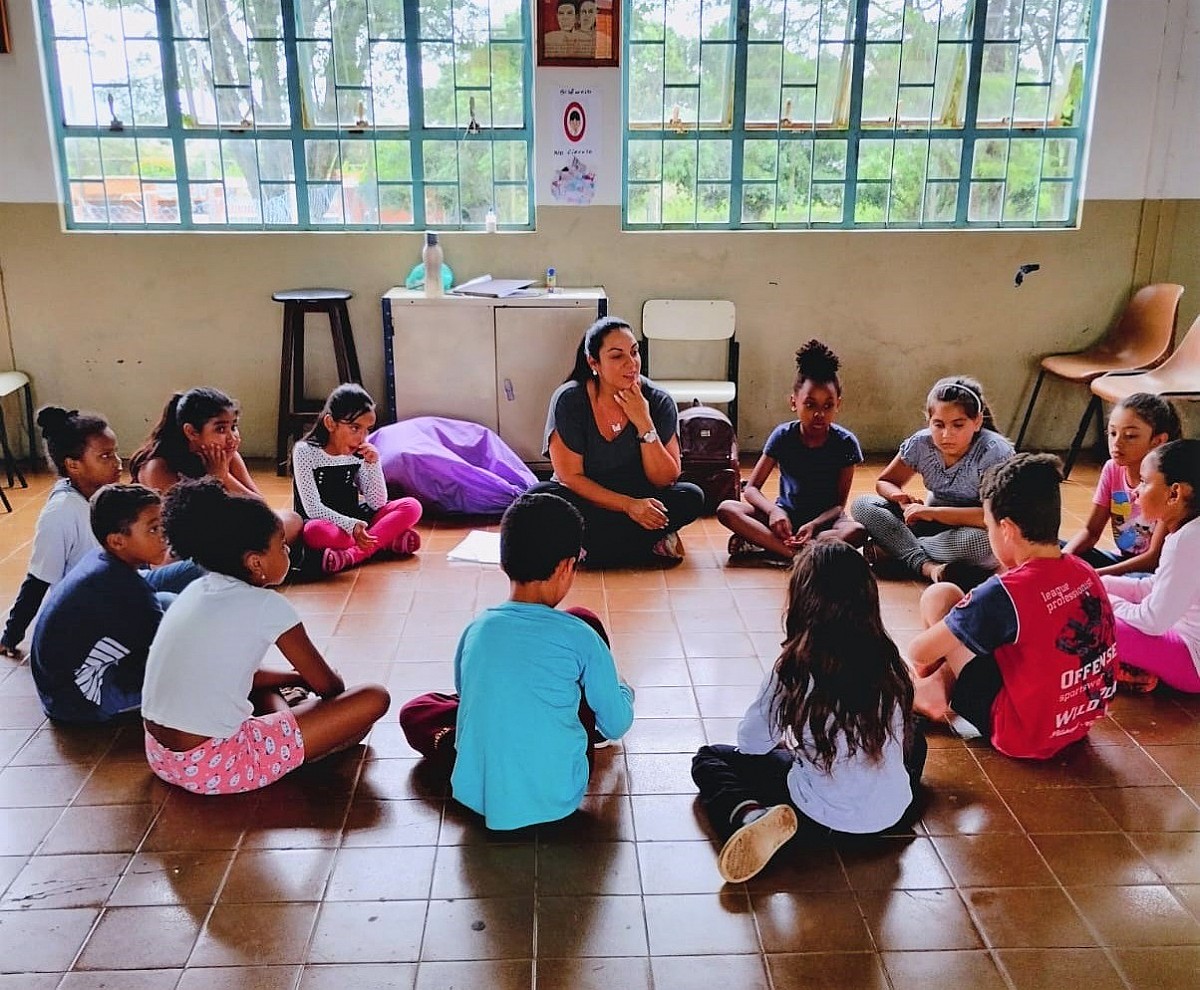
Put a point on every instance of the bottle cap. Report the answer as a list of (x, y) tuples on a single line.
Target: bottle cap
[(430, 237), (550, 271)]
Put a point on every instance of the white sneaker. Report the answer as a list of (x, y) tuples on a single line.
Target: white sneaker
[(751, 847)]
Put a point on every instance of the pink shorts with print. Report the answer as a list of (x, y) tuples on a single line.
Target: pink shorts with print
[(264, 749)]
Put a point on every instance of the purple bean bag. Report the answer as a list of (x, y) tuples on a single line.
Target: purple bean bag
[(451, 465)]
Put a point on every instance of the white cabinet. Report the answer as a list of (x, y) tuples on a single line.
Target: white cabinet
[(492, 361)]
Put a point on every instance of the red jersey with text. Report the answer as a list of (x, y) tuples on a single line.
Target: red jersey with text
[(1050, 627)]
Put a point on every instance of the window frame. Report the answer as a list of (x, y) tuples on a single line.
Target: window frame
[(416, 134), (738, 133)]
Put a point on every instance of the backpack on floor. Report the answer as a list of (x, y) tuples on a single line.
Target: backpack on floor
[(709, 447)]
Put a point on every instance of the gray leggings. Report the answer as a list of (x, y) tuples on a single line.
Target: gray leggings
[(928, 541)]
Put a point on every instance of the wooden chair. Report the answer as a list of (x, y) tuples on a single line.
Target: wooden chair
[(1139, 340), (1178, 377), (694, 320), (16, 381)]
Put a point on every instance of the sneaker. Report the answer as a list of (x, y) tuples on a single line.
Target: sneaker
[(1135, 680), (751, 847), (295, 695), (333, 561), (408, 542), (670, 547)]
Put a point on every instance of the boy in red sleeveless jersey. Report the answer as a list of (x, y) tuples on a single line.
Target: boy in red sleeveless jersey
[(1029, 656)]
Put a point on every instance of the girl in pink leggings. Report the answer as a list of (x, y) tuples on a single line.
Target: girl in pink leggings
[(340, 489), (1158, 615)]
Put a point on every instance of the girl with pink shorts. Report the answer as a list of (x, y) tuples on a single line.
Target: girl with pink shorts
[(1158, 616), (216, 721)]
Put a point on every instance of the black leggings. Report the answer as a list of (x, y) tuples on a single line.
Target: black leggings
[(612, 538)]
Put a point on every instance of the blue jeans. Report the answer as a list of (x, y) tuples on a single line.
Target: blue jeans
[(170, 579)]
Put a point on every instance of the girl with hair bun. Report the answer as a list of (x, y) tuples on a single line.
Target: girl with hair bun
[(216, 721), (82, 449), (816, 460)]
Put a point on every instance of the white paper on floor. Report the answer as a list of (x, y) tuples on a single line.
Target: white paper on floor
[(479, 546)]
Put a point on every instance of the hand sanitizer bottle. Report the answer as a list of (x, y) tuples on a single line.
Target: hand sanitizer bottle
[(489, 221)]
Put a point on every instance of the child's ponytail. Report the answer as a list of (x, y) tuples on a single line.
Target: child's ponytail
[(345, 404), (167, 440), (67, 433), (215, 529), (815, 362), (1179, 462)]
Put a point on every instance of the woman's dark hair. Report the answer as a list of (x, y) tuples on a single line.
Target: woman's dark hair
[(1156, 412), (344, 405), (589, 346), (840, 674), (965, 392), (67, 433), (817, 363), (1179, 462), (195, 407), (215, 529)]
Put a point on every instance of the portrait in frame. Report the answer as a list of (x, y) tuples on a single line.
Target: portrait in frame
[(578, 32)]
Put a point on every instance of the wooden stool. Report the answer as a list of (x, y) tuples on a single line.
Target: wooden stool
[(297, 412), (13, 381)]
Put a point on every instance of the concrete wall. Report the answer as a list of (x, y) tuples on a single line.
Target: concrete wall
[(116, 321)]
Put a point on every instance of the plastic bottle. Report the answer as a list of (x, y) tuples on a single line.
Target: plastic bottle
[(551, 280), (490, 222), (431, 258)]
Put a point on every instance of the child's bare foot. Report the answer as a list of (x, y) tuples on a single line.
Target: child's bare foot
[(929, 697)]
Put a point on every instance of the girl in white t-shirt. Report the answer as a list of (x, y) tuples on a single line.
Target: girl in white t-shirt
[(83, 450), (828, 740), (216, 721)]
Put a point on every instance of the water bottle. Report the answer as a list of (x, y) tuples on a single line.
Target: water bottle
[(431, 258), (490, 222)]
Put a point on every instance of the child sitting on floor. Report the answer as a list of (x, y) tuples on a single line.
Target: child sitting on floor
[(83, 451), (1158, 615), (1029, 656), (216, 722), (829, 737), (533, 682), (946, 529), (1138, 425), (91, 639), (816, 461), (340, 489)]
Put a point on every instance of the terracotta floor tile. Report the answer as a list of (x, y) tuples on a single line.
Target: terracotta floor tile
[(65, 882), (740, 670), (666, 702), (368, 932), (145, 979), (597, 868), (1175, 855), (109, 828), (1154, 969), (919, 919), (277, 875), (121, 781), (42, 941), (1162, 809), (22, 829), (1060, 969), (483, 870), (666, 817), (1060, 810), (1027, 918), (1099, 858), (382, 873), (141, 938), (484, 928), (255, 935), (993, 860), (893, 864), (664, 735), (660, 773), (965, 809), (40, 787), (679, 868), (591, 925), (240, 978), (920, 970), (730, 701), (1180, 763), (810, 922), (1136, 916), (393, 823), (806, 864), (701, 924), (484, 974), (828, 970), (172, 878), (596, 973), (360, 976)]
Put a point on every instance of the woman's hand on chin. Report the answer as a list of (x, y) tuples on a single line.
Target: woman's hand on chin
[(635, 406), (649, 513)]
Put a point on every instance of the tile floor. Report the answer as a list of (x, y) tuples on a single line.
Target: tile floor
[(360, 873)]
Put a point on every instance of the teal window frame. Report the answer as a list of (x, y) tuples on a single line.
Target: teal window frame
[(858, 137), (180, 133)]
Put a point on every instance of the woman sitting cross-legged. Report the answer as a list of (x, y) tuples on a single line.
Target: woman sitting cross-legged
[(611, 437)]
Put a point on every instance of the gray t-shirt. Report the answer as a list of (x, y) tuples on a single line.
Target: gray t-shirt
[(616, 464), (957, 485)]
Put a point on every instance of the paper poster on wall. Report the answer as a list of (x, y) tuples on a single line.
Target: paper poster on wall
[(576, 155)]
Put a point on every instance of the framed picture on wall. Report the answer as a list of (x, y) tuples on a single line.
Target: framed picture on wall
[(5, 40), (578, 32)]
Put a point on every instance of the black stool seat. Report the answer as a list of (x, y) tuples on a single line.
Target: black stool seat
[(297, 412)]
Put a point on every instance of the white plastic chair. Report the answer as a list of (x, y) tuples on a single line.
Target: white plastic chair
[(698, 320)]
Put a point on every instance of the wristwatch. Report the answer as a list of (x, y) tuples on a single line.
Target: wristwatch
[(649, 436)]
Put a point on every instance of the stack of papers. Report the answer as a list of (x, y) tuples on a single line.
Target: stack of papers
[(479, 546), (492, 288)]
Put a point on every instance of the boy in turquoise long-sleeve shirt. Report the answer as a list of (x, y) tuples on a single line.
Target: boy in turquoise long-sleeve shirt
[(522, 670)]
